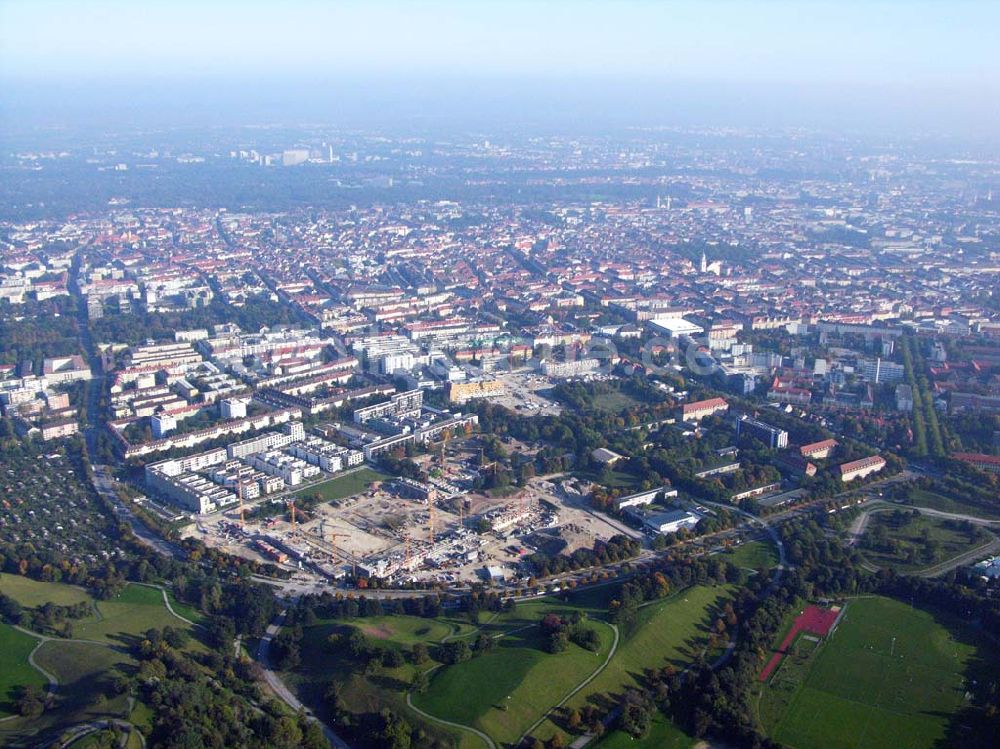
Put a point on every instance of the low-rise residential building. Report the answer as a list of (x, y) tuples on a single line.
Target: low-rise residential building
[(856, 469), (699, 410)]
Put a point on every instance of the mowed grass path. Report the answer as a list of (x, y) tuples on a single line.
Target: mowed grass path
[(15, 671), (889, 676)]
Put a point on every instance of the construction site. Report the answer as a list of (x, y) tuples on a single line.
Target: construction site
[(401, 530)]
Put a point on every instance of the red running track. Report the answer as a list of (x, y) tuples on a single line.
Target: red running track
[(815, 620)]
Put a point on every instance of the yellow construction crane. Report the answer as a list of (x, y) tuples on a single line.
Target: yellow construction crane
[(351, 557), (430, 513)]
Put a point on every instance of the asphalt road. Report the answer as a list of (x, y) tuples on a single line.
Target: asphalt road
[(278, 686)]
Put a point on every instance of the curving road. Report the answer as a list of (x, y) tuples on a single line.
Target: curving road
[(282, 691)]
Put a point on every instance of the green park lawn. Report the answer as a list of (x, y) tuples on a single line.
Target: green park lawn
[(613, 402), (15, 671), (31, 593), (612, 479), (889, 676), (188, 611), (83, 670), (344, 486)]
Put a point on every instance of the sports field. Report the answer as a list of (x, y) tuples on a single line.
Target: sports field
[(888, 676), (344, 486), (754, 555)]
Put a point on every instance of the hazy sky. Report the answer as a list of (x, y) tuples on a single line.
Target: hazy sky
[(892, 41), (915, 51)]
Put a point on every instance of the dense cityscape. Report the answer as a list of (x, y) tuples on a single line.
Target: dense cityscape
[(454, 427)]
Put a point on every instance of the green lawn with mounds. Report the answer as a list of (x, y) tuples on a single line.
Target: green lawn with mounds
[(917, 542), (15, 670), (32, 593), (323, 662), (672, 630), (890, 675), (753, 555), (340, 487), (85, 670), (503, 692), (511, 687)]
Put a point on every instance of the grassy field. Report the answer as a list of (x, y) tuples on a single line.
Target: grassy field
[(615, 480), (889, 676), (83, 671), (944, 503), (613, 402), (753, 555), (15, 671), (344, 486), (922, 542), (137, 609), (672, 631), (31, 593), (662, 735)]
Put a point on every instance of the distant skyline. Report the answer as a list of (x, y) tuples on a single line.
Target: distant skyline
[(890, 55)]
